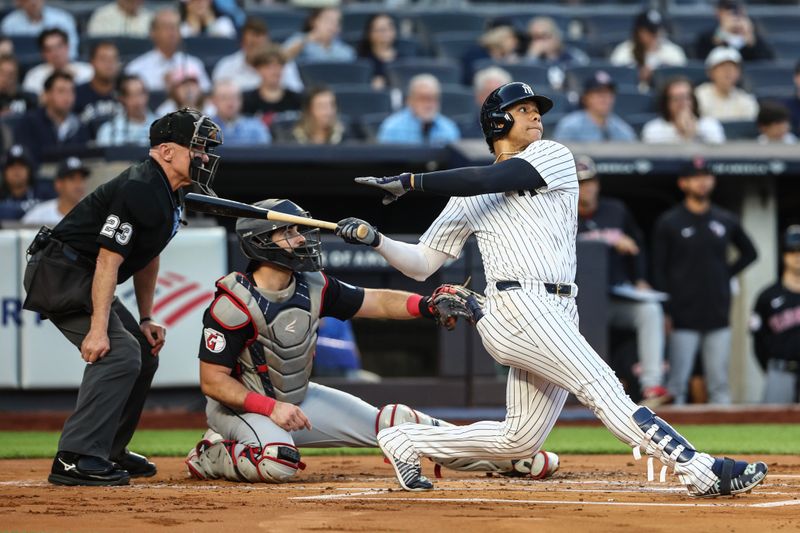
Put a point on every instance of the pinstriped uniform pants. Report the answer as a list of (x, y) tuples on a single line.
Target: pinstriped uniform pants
[(536, 334)]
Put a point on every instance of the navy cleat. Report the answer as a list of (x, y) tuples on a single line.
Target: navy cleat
[(728, 484)]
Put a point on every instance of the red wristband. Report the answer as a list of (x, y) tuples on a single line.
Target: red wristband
[(259, 404), (412, 305)]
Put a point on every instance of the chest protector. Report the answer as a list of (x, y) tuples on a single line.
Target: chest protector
[(278, 363)]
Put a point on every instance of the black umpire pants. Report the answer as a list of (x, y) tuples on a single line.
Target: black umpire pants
[(113, 389)]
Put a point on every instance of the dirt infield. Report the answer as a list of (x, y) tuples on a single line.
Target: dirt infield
[(590, 493)]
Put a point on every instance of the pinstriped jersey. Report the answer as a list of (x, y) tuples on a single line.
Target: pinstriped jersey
[(520, 234)]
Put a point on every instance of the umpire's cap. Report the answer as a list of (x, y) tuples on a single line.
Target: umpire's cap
[(186, 127), (791, 239), (495, 121)]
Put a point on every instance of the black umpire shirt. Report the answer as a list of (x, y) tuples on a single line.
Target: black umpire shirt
[(607, 224), (690, 263), (135, 215), (776, 325)]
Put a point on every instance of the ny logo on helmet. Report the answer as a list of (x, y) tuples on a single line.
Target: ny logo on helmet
[(527, 89)]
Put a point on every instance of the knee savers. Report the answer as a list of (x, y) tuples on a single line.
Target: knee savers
[(394, 414), (228, 459)]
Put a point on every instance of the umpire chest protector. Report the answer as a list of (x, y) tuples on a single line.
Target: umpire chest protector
[(278, 361)]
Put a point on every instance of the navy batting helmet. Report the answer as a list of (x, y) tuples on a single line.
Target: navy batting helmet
[(495, 121), (256, 242)]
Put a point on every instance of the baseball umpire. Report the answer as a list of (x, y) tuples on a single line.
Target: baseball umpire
[(523, 213), (115, 233), (775, 325), (257, 350)]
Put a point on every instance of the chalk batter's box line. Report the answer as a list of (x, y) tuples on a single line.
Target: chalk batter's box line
[(366, 497)]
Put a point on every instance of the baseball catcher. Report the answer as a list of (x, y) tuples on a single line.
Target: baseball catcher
[(256, 355)]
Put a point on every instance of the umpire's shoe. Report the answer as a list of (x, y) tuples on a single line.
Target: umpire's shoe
[(136, 465), (728, 484), (75, 469)]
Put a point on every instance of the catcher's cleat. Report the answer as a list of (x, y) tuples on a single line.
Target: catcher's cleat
[(728, 485), (136, 465), (408, 474), (73, 469), (541, 466)]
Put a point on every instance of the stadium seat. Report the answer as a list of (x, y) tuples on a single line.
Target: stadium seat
[(778, 23), (128, 47), (689, 26), (25, 45), (335, 73), (356, 102), (633, 103), (355, 21), (624, 77), (203, 47), (608, 27), (436, 22), (740, 130), (370, 124), (280, 21), (457, 100), (403, 70), (637, 121), (696, 73), (785, 47), (534, 75), (469, 126), (779, 92), (762, 75), (456, 44)]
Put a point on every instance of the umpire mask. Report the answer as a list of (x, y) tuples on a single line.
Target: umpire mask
[(255, 239), (201, 135)]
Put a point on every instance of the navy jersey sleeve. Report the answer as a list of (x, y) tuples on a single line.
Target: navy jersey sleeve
[(339, 299), (220, 345)]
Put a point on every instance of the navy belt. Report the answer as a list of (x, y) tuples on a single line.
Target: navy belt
[(559, 289)]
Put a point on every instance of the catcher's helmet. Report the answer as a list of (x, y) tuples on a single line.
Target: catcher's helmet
[(256, 242), (495, 121), (190, 128)]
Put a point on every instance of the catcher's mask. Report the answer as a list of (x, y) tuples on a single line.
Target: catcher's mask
[(255, 238), (496, 122), (190, 128)]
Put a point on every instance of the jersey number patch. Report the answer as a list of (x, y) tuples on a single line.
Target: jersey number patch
[(215, 341), (121, 235)]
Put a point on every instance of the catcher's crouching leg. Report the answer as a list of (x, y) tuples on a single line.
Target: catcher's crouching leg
[(228, 459), (542, 465)]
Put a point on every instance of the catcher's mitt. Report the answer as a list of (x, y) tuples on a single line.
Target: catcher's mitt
[(449, 302)]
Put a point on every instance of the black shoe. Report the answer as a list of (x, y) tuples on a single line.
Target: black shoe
[(75, 469), (136, 465)]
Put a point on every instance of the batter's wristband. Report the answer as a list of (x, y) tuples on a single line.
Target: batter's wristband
[(145, 319), (258, 404)]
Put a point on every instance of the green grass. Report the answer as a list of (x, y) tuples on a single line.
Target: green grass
[(714, 439)]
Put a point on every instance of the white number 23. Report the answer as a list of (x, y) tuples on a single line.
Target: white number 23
[(109, 229)]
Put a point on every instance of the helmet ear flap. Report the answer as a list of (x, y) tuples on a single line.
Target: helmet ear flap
[(507, 121)]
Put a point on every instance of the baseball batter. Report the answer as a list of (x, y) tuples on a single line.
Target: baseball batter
[(523, 212), (256, 354)]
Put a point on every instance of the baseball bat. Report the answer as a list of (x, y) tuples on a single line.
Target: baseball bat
[(230, 208)]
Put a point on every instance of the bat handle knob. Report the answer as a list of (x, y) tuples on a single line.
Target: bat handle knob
[(362, 231)]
